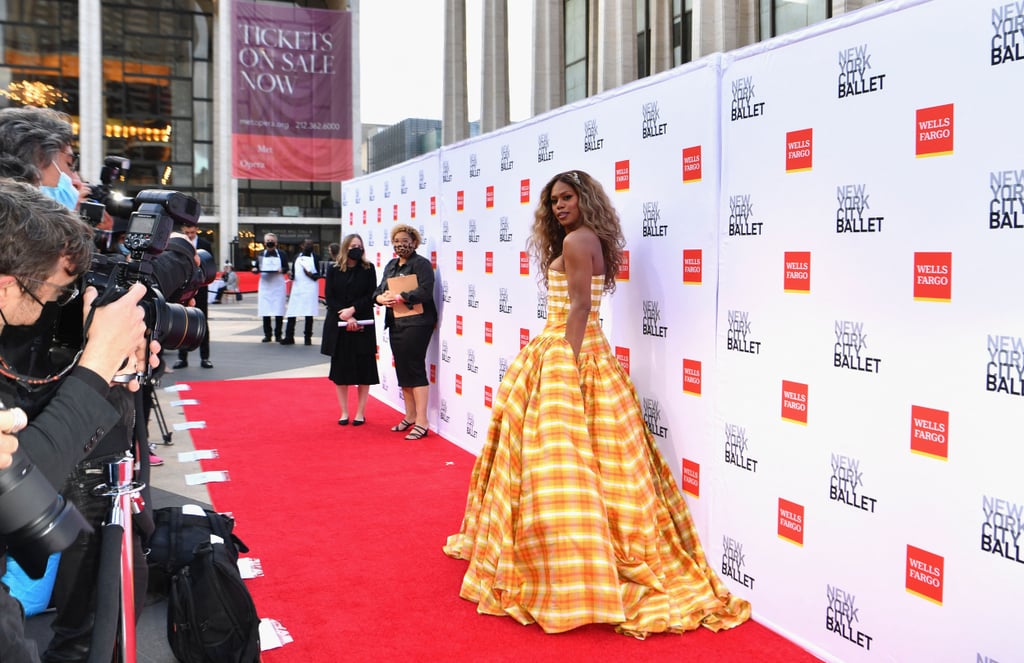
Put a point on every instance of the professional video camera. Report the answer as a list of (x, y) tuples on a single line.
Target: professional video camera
[(101, 196), (35, 521), (149, 228)]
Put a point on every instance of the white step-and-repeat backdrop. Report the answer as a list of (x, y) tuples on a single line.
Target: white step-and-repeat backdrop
[(821, 310)]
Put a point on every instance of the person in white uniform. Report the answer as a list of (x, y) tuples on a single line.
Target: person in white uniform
[(305, 297), (272, 265)]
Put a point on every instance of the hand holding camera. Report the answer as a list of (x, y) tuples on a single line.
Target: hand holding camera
[(117, 332), (11, 421)]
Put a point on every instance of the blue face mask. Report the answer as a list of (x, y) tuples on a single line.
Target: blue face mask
[(64, 193)]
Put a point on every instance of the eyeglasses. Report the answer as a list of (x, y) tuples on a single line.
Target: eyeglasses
[(71, 157), (66, 292)]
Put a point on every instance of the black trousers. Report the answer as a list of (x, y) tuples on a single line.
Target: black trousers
[(278, 323), (289, 331), (202, 303)]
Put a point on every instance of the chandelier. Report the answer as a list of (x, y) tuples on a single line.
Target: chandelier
[(33, 93)]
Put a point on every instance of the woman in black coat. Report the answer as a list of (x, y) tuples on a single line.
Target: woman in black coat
[(349, 336), (411, 327)]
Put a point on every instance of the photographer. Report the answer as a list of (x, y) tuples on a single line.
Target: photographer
[(77, 413)]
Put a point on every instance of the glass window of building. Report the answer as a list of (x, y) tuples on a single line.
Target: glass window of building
[(682, 31), (782, 16), (157, 93), (575, 12), (39, 64), (643, 38)]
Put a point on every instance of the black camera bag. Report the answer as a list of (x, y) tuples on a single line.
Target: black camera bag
[(176, 536), (211, 617)]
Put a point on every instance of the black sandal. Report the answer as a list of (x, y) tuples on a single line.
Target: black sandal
[(401, 426), (418, 433)]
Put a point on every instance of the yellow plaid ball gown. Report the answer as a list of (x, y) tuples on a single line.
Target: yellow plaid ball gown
[(573, 517)]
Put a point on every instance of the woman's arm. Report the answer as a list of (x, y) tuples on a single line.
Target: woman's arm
[(579, 248), (424, 291), (383, 286)]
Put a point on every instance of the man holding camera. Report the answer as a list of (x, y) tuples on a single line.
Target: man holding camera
[(77, 414)]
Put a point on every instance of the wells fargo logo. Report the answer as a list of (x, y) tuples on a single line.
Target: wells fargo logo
[(934, 131), (691, 477), (524, 191), (693, 266), (791, 522), (933, 276), (622, 175), (799, 150), (623, 273), (929, 432), (794, 402), (925, 574), (692, 164), (460, 201), (797, 272), (692, 378)]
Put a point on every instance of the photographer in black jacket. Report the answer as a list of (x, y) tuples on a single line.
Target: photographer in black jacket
[(76, 414)]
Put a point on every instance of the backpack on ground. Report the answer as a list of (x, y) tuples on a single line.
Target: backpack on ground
[(178, 531), (211, 617)]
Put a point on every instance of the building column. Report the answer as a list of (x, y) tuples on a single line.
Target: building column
[(494, 112), (723, 25), (661, 35), (225, 186), (548, 56), (91, 120), (455, 125), (613, 45)]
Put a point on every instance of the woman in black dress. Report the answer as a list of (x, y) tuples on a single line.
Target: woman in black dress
[(349, 336)]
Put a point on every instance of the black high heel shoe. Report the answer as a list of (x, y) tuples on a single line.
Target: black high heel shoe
[(417, 433)]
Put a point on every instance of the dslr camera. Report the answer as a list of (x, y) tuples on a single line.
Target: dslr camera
[(154, 215), (101, 196)]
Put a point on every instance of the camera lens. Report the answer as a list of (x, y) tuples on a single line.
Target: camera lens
[(35, 521), (177, 327)]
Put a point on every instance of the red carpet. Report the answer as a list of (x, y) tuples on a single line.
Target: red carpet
[(348, 523)]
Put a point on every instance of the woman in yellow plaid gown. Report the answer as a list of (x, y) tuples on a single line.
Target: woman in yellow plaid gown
[(573, 517)]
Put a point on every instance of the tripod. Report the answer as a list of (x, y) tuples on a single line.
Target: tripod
[(154, 405)]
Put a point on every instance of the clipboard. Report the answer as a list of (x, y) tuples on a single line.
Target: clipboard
[(400, 284)]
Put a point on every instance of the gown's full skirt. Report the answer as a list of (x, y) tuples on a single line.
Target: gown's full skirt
[(573, 517)]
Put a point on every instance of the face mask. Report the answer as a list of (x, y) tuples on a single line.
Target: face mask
[(355, 253), (64, 193), (403, 250), (271, 245)]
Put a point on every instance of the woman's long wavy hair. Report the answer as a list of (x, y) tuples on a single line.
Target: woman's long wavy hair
[(596, 212)]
